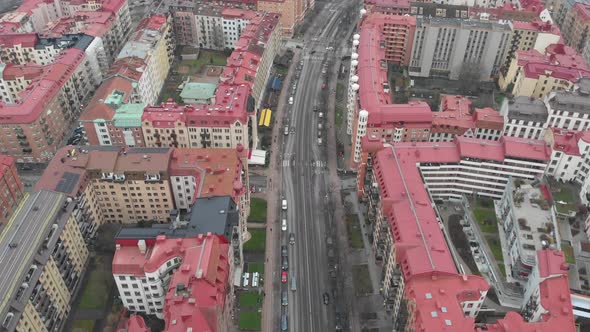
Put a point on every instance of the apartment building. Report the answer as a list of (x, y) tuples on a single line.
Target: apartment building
[(535, 35), (39, 15), (456, 116), (433, 9), (570, 109), (11, 188), (510, 12), (421, 285), (576, 26), (181, 280), (253, 55), (569, 160), (453, 48), (529, 224), (222, 125), (119, 185), (113, 115), (147, 56), (47, 255), (34, 125), (535, 74), (525, 118), (548, 280), (370, 111), (395, 7), (292, 12)]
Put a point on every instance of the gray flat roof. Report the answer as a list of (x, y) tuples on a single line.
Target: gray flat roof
[(213, 214), (27, 229), (526, 109)]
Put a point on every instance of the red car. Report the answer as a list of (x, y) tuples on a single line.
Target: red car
[(324, 86), (284, 276)]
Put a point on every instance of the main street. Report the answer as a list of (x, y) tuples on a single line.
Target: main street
[(304, 182)]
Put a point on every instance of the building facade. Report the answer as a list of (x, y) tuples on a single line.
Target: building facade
[(535, 74), (456, 48), (529, 224), (48, 262), (576, 26), (11, 188), (411, 248), (180, 280), (457, 117)]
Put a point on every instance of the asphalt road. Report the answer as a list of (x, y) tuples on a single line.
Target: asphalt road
[(305, 182)]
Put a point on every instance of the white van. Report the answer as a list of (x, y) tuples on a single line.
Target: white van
[(290, 100), (286, 130), (284, 204)]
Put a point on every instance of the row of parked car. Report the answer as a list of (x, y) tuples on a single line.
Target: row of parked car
[(77, 136)]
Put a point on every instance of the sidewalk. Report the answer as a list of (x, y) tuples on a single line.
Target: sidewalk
[(347, 288), (273, 191)]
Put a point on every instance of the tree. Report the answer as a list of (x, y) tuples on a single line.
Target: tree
[(469, 77)]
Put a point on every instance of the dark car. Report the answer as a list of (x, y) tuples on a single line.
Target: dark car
[(284, 251), (291, 238), (285, 263), (326, 298)]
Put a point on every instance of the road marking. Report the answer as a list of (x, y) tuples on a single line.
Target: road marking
[(16, 212)]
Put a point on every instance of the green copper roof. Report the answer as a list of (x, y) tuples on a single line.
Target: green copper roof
[(128, 115), (194, 90)]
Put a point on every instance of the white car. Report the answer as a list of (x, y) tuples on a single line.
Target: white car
[(284, 225), (284, 204), (290, 100)]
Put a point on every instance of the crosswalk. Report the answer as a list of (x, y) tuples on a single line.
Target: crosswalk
[(317, 164)]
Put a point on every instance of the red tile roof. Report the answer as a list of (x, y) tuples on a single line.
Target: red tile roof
[(96, 108), (217, 172), (37, 95), (554, 297), (22, 39), (583, 9), (28, 72), (135, 323), (438, 300), (565, 141), (488, 118), (539, 26), (559, 61), (197, 289), (432, 281), (374, 91)]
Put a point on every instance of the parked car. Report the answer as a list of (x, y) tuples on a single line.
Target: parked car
[(283, 250), (290, 100), (284, 276), (323, 85), (291, 238), (284, 323), (284, 225), (284, 204), (285, 298), (285, 263), (326, 297)]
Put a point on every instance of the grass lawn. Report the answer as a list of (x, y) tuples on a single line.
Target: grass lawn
[(340, 90), (362, 280), (250, 300), (496, 248), (83, 326), (486, 218), (256, 267), (257, 210), (250, 320), (206, 57), (258, 241), (339, 116), (564, 195), (97, 289), (568, 251), (355, 238), (281, 70)]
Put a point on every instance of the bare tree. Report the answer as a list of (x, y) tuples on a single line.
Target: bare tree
[(469, 77)]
